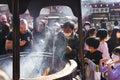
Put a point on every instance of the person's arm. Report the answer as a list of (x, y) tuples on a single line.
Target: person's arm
[(92, 64), (118, 61), (103, 66), (114, 70), (113, 73), (8, 44)]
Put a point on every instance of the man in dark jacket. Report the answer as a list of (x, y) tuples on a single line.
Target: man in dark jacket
[(4, 30), (67, 44)]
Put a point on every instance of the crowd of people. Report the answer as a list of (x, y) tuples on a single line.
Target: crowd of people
[(101, 51), (102, 56)]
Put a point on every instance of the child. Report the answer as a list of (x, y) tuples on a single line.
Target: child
[(90, 33), (92, 58), (112, 67)]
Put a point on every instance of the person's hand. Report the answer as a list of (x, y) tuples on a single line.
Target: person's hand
[(22, 43), (115, 62), (103, 61), (109, 66), (68, 49)]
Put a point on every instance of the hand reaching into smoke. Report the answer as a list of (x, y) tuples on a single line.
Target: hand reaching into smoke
[(22, 43)]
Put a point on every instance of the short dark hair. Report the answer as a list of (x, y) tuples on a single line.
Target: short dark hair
[(69, 24), (93, 42), (90, 32), (102, 34)]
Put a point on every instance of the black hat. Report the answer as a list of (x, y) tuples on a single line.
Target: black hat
[(69, 24)]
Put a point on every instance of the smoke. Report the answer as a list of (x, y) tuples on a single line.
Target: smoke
[(30, 65), (33, 64), (36, 61)]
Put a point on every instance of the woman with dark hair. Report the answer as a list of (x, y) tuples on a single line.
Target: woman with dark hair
[(114, 40), (103, 47)]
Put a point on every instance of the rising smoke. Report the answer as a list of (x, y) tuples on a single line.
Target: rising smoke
[(32, 65)]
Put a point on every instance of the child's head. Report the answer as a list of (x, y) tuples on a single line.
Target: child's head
[(93, 42), (102, 34), (116, 54)]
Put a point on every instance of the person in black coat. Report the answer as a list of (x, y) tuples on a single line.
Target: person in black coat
[(67, 45), (4, 30)]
